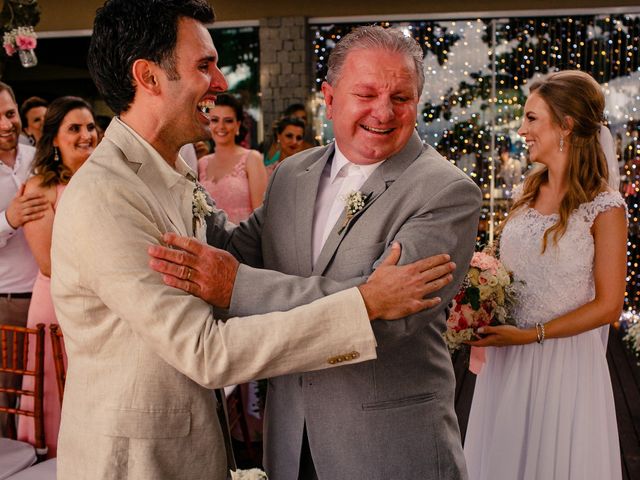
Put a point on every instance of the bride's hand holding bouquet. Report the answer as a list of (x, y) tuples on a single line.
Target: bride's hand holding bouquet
[(483, 304)]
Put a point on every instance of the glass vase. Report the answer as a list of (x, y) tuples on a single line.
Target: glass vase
[(28, 58)]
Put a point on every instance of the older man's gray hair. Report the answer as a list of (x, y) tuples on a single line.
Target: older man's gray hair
[(375, 37)]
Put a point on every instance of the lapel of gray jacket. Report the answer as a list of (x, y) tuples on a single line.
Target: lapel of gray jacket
[(306, 192), (381, 179)]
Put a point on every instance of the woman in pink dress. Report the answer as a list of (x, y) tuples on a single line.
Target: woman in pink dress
[(69, 136), (234, 176)]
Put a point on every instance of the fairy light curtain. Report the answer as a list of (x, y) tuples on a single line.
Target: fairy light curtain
[(477, 71)]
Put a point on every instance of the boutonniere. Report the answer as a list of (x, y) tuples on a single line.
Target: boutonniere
[(354, 202), (200, 207)]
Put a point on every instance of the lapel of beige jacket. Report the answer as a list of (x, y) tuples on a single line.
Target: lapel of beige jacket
[(170, 188)]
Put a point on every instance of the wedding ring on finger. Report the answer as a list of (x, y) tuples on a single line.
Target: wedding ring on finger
[(189, 271)]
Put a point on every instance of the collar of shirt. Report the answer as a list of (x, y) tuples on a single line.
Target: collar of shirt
[(339, 161), (171, 175)]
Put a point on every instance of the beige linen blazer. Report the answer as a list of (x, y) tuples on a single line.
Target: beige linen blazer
[(143, 356)]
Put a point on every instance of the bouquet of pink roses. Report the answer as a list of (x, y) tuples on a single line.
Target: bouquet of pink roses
[(485, 298)]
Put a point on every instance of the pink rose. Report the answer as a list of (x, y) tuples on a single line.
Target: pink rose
[(484, 262), (9, 49), (25, 42)]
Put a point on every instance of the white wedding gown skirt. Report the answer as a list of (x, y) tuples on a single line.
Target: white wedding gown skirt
[(546, 412)]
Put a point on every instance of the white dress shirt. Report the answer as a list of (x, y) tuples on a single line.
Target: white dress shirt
[(339, 178), (18, 269)]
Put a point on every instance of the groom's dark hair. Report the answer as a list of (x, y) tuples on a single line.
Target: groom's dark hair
[(127, 30)]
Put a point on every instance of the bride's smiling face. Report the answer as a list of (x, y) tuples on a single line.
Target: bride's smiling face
[(540, 131)]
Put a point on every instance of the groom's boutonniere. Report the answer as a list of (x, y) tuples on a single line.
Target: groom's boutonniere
[(200, 207), (354, 202)]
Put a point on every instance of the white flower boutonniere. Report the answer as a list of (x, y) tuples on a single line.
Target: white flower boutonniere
[(354, 202), (200, 207), (253, 474)]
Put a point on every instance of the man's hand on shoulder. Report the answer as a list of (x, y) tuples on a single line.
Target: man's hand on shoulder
[(25, 207), (393, 292), (201, 270)]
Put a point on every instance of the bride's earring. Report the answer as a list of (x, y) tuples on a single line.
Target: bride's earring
[(56, 155), (561, 143)]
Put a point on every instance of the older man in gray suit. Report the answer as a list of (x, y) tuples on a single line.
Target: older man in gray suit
[(330, 215)]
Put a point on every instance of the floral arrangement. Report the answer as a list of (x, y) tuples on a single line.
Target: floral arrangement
[(20, 38), (253, 474), (485, 298), (354, 202), (632, 338)]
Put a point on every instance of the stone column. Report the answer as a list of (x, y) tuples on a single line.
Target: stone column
[(285, 70)]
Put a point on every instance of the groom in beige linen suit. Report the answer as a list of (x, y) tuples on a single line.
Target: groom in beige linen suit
[(142, 356)]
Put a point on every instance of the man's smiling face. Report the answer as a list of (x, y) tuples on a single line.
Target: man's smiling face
[(10, 125), (373, 104)]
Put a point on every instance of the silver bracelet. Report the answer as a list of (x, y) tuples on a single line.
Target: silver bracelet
[(540, 332)]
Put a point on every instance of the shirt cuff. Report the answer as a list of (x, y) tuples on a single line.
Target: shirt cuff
[(5, 229)]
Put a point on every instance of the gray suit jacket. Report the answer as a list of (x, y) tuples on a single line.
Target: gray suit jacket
[(142, 355), (391, 418)]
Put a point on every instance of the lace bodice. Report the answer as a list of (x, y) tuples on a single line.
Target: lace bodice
[(561, 279)]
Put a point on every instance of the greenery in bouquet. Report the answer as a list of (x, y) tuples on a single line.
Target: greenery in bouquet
[(487, 297), (632, 338)]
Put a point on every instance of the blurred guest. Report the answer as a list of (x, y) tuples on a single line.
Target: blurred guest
[(32, 112), (234, 176), (289, 134), (203, 147), (18, 269), (296, 110), (69, 136)]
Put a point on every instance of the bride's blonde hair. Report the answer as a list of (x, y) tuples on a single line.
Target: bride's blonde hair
[(575, 95)]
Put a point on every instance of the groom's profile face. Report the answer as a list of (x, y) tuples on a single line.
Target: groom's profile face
[(197, 82)]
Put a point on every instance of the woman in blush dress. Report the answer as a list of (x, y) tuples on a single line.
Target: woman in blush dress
[(543, 403), (234, 176), (69, 136), (236, 179)]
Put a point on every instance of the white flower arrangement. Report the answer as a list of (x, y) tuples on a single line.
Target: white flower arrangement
[(253, 474), (354, 202), (201, 207)]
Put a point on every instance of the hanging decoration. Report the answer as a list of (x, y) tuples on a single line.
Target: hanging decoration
[(19, 17)]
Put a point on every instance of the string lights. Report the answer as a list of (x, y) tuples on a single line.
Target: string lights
[(457, 107)]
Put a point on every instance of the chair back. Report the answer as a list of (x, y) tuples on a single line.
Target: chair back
[(57, 348), (22, 339)]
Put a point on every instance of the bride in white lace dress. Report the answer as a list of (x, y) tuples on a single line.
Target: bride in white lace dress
[(543, 405)]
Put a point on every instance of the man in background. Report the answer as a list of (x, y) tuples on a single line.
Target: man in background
[(18, 268), (32, 112)]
